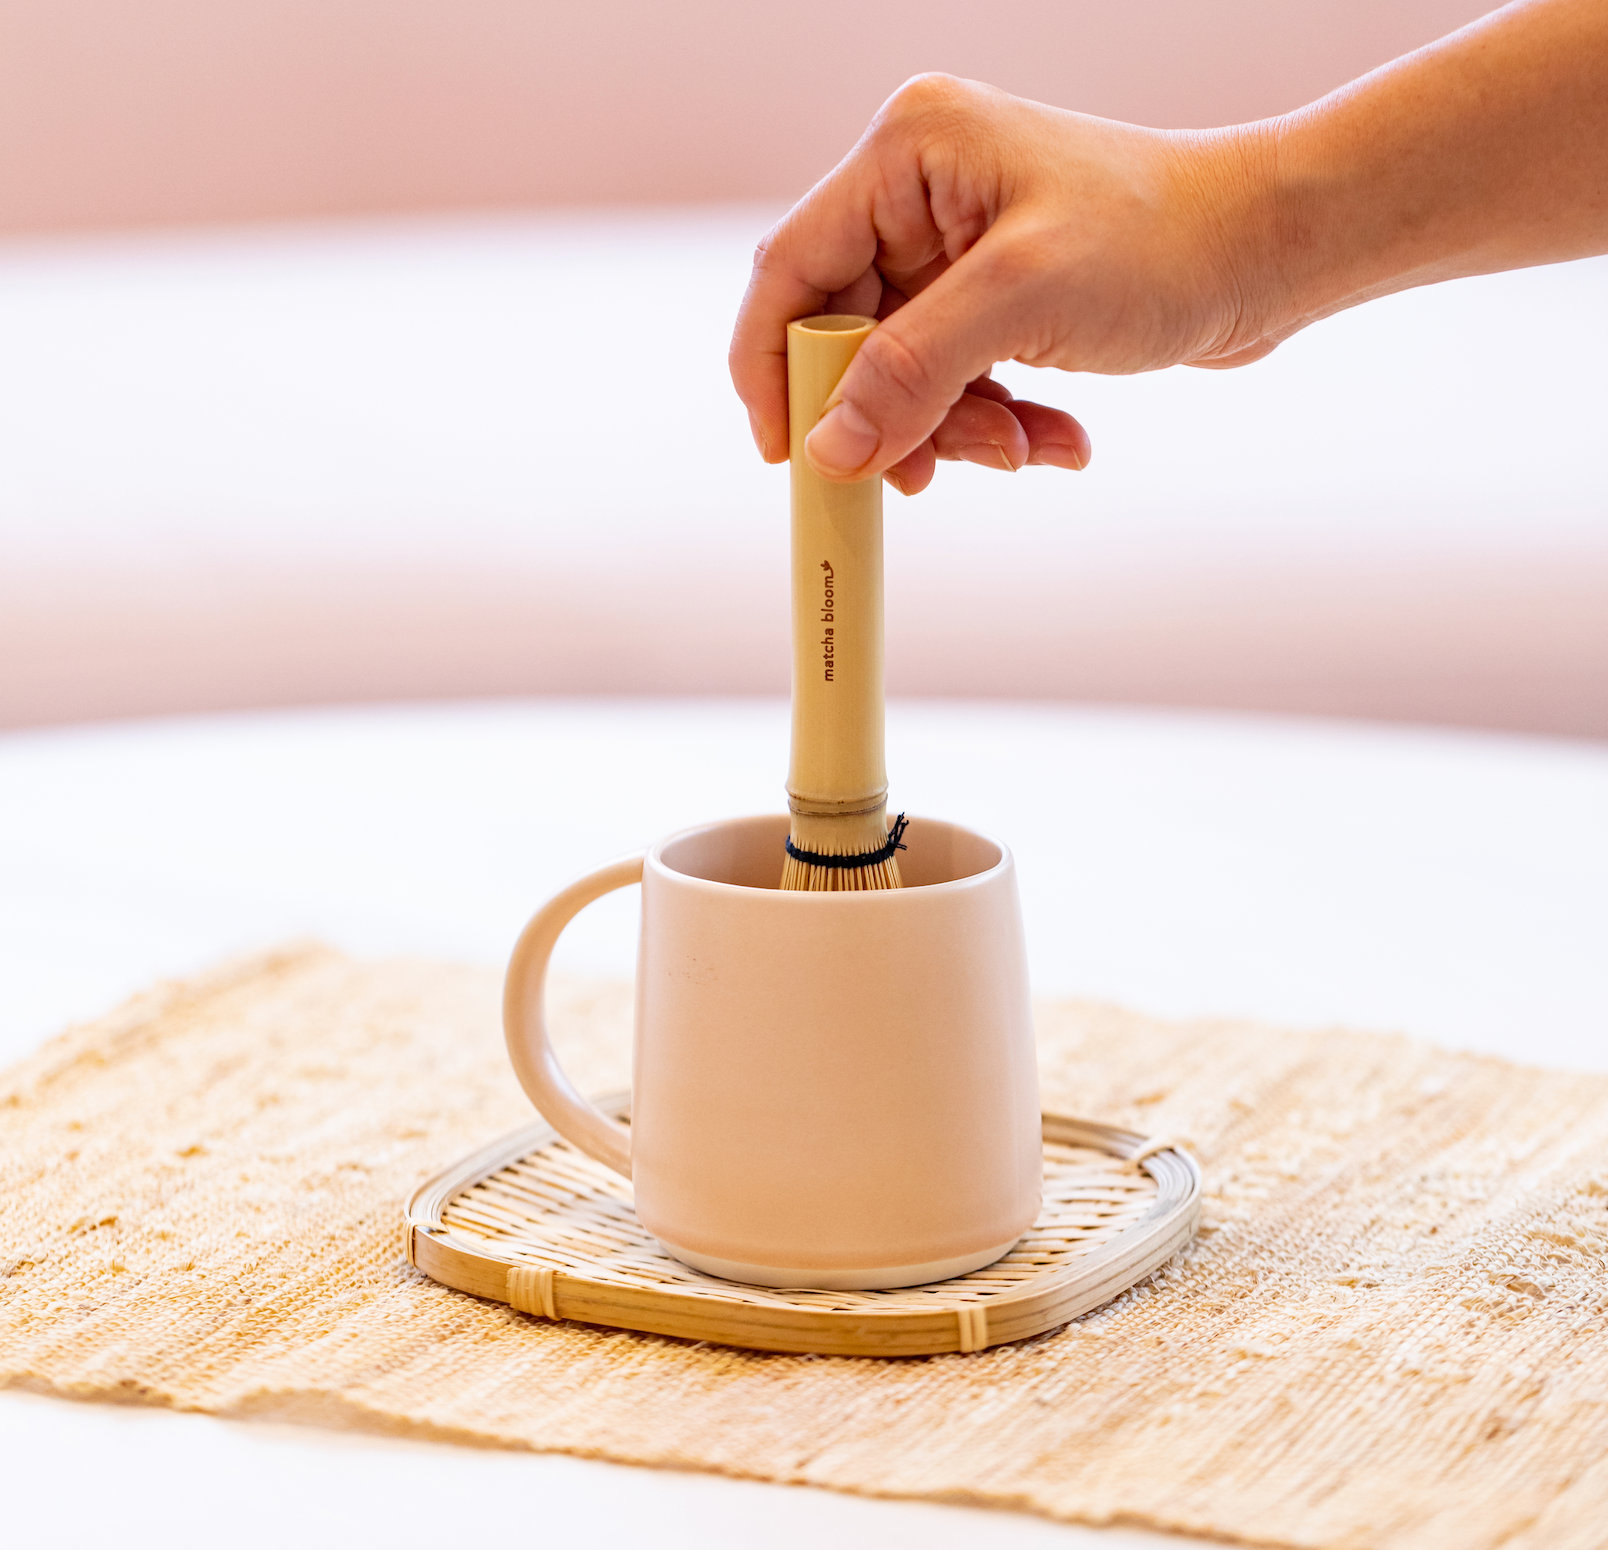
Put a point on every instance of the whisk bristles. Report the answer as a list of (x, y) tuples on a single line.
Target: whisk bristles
[(842, 834)]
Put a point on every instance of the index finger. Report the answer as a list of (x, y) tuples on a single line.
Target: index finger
[(825, 245)]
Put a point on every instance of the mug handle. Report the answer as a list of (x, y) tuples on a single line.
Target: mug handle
[(525, 1024)]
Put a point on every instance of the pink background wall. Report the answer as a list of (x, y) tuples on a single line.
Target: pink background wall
[(149, 113), (1473, 641), (137, 112)]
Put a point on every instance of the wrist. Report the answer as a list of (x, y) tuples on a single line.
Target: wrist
[(1294, 233), (1324, 243), (1241, 250)]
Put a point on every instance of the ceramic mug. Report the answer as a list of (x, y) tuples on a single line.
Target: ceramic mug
[(832, 1090)]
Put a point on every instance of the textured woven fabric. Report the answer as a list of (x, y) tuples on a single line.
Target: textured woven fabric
[(1392, 1331)]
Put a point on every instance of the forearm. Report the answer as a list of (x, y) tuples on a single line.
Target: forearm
[(1487, 150)]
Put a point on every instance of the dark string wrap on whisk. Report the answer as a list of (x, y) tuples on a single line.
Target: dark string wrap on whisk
[(866, 858)]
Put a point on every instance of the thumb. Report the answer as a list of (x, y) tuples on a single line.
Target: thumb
[(913, 368)]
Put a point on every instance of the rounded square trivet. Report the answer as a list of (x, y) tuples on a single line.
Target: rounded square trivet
[(531, 1221)]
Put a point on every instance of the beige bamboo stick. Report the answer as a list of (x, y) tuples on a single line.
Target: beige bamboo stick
[(837, 785)]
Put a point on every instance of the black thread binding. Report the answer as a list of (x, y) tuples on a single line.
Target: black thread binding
[(869, 858)]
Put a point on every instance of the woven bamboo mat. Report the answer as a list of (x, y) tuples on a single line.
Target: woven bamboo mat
[(1391, 1332)]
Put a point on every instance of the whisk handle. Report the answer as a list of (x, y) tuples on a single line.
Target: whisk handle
[(837, 764)]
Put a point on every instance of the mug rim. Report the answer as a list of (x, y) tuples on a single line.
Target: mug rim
[(655, 859)]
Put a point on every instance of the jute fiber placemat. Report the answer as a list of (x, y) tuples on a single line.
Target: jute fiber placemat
[(1391, 1332)]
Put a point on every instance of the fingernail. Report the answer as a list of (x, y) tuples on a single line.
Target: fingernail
[(843, 440), (1060, 457), (990, 452), (758, 435)]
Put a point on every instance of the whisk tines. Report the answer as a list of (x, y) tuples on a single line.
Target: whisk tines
[(844, 853)]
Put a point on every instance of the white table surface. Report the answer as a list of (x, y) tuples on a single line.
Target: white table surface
[(1452, 886)]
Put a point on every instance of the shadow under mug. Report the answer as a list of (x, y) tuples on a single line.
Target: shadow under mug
[(833, 1090)]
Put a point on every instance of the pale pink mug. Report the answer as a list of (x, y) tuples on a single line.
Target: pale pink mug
[(832, 1090)]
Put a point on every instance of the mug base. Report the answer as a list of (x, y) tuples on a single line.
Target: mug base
[(878, 1278)]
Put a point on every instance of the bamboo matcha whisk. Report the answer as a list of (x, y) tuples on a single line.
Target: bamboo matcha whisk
[(837, 786)]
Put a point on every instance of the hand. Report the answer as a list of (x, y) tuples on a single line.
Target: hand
[(983, 228)]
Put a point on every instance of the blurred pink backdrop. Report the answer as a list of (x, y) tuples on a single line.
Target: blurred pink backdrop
[(139, 112), (142, 114)]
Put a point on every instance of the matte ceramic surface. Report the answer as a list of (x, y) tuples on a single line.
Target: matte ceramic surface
[(836, 1088), (869, 1279)]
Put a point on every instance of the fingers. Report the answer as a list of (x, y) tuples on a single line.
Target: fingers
[(913, 370), (864, 296), (1055, 439), (911, 475), (984, 431), (990, 428), (915, 228), (973, 431), (987, 387), (758, 355), (825, 256), (782, 287)]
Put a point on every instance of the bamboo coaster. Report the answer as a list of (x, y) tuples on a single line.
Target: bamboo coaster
[(531, 1222)]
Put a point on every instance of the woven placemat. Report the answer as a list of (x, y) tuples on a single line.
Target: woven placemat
[(1392, 1330)]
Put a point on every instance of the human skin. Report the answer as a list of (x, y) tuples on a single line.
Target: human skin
[(982, 228)]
